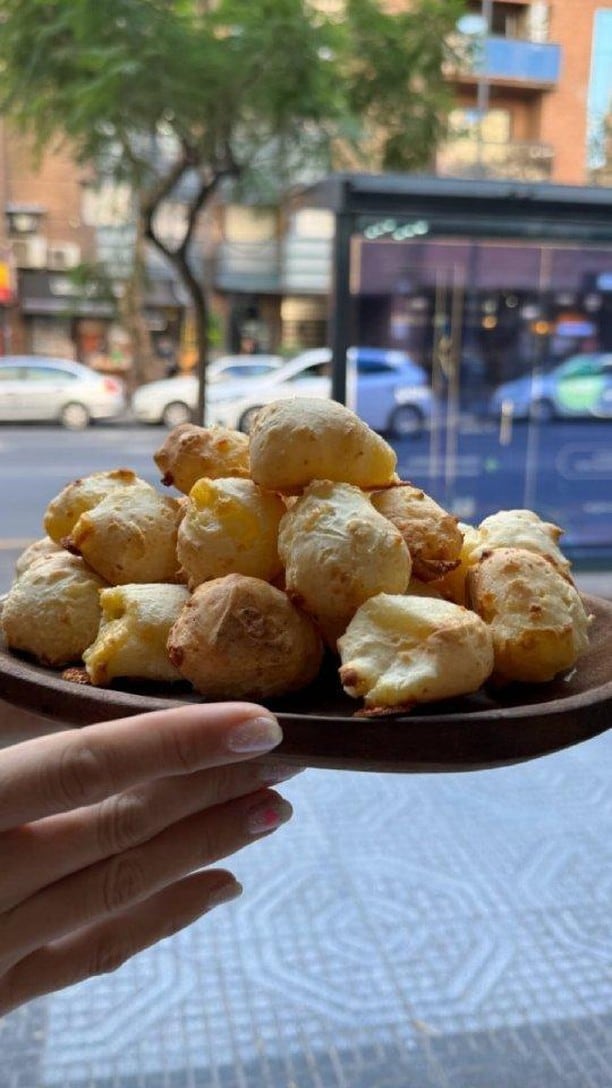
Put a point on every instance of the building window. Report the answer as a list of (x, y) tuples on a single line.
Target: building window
[(494, 128)]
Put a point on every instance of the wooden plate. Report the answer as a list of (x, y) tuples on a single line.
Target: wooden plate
[(485, 730)]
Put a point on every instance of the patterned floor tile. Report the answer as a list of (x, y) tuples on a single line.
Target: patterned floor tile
[(428, 931)]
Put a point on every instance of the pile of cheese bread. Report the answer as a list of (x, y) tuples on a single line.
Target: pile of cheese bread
[(296, 541)]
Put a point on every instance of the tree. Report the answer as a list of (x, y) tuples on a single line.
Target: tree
[(184, 96)]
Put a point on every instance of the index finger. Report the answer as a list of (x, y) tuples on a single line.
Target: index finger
[(80, 766)]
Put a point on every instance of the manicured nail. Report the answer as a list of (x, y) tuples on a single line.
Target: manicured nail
[(268, 815), (255, 735), (273, 773), (224, 893)]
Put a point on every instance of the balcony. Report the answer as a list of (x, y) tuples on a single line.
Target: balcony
[(518, 160), (306, 265), (248, 267), (505, 61), (296, 261)]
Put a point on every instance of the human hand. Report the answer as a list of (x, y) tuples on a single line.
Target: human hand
[(100, 828)]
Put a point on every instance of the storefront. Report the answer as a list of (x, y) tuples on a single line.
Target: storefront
[(503, 293), (60, 317)]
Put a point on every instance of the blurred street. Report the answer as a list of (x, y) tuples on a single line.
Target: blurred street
[(424, 931)]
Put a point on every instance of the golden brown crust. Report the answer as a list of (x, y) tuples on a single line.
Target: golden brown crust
[(130, 536), (39, 549), (52, 611), (537, 619), (191, 452), (432, 536), (519, 529), (297, 440), (230, 526), (134, 627), (83, 494), (76, 675), (338, 551), (239, 637), (399, 651)]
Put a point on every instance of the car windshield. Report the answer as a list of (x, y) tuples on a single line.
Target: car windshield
[(312, 370), (49, 373)]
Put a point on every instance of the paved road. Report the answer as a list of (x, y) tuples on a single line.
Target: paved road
[(435, 931)]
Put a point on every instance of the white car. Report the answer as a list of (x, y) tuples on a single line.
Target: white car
[(37, 389), (174, 400), (386, 388)]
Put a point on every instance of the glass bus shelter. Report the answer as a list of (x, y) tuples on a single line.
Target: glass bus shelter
[(502, 293)]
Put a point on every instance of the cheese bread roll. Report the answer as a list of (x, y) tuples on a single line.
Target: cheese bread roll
[(39, 549), (130, 536), (432, 536), (77, 497), (301, 439), (191, 452), (536, 616), (53, 610), (452, 585), (240, 638), (133, 632), (520, 529), (399, 651), (338, 551), (230, 526)]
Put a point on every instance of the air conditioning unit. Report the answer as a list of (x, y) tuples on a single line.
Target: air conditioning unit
[(30, 252), (63, 255)]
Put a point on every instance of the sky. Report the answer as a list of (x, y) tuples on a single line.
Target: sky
[(600, 84)]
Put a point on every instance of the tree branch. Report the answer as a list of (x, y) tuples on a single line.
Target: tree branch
[(164, 187)]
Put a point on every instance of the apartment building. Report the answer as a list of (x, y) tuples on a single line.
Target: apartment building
[(531, 97), (53, 224)]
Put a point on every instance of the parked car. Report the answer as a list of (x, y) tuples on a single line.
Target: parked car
[(386, 388), (34, 388), (581, 386), (174, 400), (243, 366)]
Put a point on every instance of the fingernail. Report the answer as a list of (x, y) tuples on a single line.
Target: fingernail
[(273, 773), (224, 893), (255, 735), (268, 815)]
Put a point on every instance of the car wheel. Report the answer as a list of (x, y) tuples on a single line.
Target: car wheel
[(247, 419), (175, 413), (542, 411), (406, 421), (74, 416)]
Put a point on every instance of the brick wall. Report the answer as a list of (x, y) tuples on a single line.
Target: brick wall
[(563, 111), (54, 183)]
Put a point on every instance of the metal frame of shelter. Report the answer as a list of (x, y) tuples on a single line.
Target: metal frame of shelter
[(519, 210)]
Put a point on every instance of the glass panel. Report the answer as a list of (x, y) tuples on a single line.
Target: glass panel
[(315, 370), (46, 374), (515, 336)]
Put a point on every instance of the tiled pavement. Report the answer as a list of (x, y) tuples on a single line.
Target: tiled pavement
[(449, 931)]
